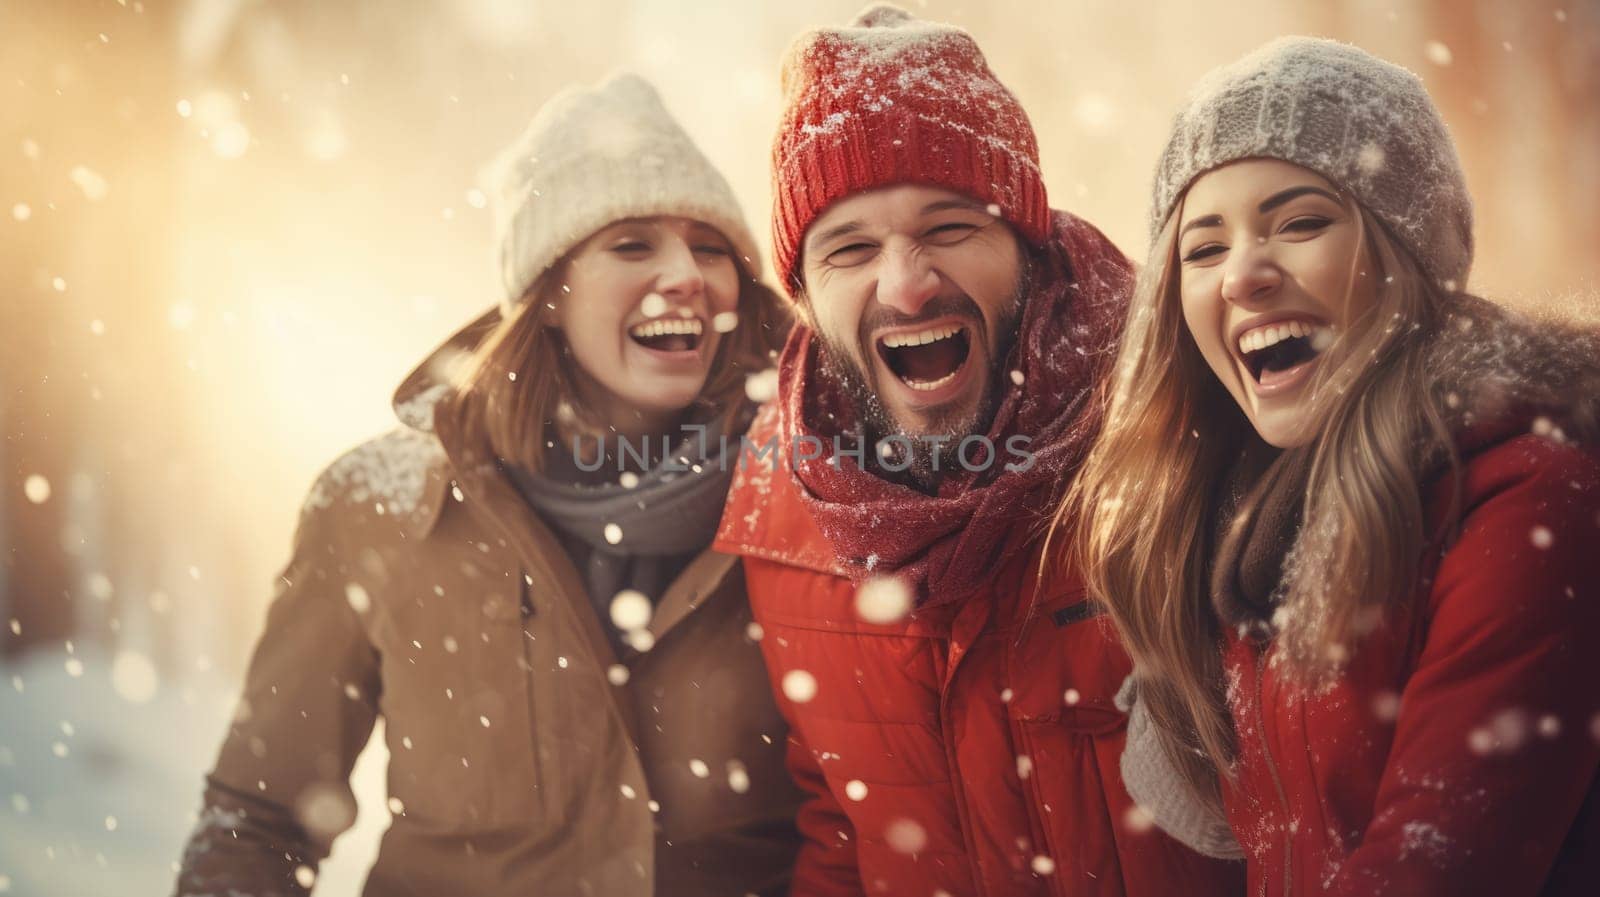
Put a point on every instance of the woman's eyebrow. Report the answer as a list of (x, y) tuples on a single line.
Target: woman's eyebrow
[(1283, 196), (1204, 221)]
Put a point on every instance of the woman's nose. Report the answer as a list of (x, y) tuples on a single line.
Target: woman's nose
[(1251, 275), (680, 274)]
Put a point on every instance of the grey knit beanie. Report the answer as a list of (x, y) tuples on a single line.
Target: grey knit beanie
[(1365, 124), (595, 155)]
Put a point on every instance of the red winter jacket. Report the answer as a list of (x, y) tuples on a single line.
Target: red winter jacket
[(968, 750), (1457, 755)]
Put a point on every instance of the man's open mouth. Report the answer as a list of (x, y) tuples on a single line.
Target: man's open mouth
[(668, 335), (1282, 346), (926, 359)]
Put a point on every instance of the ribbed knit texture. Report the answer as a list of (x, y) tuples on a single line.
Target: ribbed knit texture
[(1158, 787)]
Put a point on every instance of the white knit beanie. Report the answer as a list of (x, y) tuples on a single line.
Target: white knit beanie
[(592, 156), (1365, 124)]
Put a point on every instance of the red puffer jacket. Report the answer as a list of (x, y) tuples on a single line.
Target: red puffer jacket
[(1458, 754), (968, 750)]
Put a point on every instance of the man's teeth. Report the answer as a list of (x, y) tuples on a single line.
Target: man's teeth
[(663, 327), (1271, 334), (930, 385), (921, 337)]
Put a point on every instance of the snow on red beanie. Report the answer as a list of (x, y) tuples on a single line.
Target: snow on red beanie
[(892, 99)]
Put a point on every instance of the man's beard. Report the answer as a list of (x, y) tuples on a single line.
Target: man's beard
[(929, 458)]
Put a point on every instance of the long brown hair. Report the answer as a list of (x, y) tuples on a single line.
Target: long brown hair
[(516, 394), (1142, 509)]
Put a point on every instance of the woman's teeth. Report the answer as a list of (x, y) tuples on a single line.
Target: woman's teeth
[(663, 327), (1256, 339)]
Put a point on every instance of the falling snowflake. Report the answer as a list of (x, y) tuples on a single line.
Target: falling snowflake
[(738, 777), (725, 322), (762, 387), (906, 836), (613, 534), (1437, 53), (37, 489), (1138, 820), (799, 686), (1370, 159), (357, 597), (134, 677), (88, 180), (856, 790), (1541, 537), (1043, 865), (630, 610), (1386, 706), (883, 600)]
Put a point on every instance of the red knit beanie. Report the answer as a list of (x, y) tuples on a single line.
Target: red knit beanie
[(892, 99)]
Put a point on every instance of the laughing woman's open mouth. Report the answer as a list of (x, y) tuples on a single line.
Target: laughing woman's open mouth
[(669, 335), (1279, 354)]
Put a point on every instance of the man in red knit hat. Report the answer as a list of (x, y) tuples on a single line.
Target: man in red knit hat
[(950, 699)]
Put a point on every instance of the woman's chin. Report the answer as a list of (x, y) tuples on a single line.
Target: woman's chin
[(1282, 428)]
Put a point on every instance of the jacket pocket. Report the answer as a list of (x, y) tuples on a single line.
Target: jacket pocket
[(1068, 786), (1064, 668), (459, 709)]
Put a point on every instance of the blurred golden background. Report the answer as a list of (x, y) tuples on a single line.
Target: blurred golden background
[(228, 228)]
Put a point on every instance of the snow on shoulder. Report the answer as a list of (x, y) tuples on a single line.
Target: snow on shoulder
[(391, 471)]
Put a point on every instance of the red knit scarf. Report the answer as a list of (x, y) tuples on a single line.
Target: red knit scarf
[(946, 546)]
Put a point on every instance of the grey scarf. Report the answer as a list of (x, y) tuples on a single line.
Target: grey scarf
[(641, 536)]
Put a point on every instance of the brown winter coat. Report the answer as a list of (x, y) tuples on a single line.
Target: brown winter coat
[(429, 593)]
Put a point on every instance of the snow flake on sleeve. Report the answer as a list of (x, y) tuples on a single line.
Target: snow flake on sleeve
[(1425, 840)]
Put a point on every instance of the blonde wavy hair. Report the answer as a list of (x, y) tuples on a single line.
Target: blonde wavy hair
[(1142, 511)]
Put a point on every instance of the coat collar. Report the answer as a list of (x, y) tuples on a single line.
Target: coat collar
[(414, 403), (765, 517)]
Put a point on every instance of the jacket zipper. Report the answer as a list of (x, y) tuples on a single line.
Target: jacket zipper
[(1272, 767)]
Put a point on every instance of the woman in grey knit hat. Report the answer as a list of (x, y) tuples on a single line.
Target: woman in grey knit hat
[(1343, 513), (572, 699)]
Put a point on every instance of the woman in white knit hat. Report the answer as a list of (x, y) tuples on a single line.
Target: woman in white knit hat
[(517, 579), (1343, 513)]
